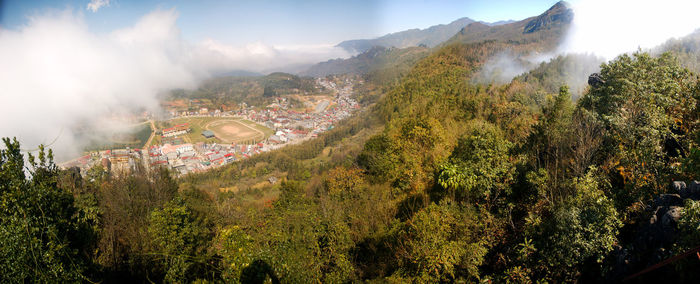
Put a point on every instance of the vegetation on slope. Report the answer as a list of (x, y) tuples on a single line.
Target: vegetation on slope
[(380, 63), (429, 37), (233, 90)]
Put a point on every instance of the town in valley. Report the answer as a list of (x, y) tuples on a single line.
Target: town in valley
[(207, 138)]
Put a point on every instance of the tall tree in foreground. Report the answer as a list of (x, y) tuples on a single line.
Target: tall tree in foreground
[(37, 224), (181, 238)]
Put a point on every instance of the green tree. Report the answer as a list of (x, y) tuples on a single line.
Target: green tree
[(37, 225), (688, 238), (583, 228), (645, 103), (301, 241), (442, 243), (479, 167), (125, 207), (181, 239), (548, 141), (342, 182), (237, 251), (689, 225)]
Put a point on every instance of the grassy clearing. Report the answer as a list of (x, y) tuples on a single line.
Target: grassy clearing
[(134, 137)]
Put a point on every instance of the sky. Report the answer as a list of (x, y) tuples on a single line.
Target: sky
[(277, 22), (609, 28)]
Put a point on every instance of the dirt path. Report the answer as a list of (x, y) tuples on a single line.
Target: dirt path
[(150, 138), (145, 152)]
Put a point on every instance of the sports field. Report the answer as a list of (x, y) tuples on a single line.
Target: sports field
[(234, 131), (226, 129)]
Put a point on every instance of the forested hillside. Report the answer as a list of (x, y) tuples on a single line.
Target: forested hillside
[(429, 37), (250, 89), (382, 64), (687, 49), (442, 179)]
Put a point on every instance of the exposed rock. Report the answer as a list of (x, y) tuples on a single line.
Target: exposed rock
[(673, 148), (670, 218), (694, 190), (665, 200), (680, 188), (595, 80), (561, 12), (653, 239), (74, 172)]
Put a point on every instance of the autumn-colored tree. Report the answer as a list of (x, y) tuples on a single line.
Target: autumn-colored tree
[(442, 243)]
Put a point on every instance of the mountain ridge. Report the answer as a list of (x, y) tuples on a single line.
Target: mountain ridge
[(543, 32), (429, 37), (557, 19)]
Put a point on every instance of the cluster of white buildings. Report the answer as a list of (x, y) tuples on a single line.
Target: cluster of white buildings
[(118, 161), (290, 127), (189, 158), (176, 130)]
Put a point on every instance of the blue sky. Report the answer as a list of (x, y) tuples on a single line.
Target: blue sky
[(281, 22)]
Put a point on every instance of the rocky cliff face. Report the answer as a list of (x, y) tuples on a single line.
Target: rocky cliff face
[(559, 13), (653, 241)]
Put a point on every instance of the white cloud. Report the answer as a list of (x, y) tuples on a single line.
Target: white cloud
[(56, 76), (95, 5), (604, 29), (262, 57), (609, 28)]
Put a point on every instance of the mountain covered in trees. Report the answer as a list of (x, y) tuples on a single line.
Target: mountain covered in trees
[(545, 30), (380, 61), (535, 34), (428, 37), (253, 89), (440, 179)]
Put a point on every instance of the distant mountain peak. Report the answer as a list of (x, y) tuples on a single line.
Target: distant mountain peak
[(560, 5), (498, 23), (546, 28), (560, 13)]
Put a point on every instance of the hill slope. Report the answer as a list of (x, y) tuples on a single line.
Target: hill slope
[(250, 89), (555, 21), (375, 60), (535, 34)]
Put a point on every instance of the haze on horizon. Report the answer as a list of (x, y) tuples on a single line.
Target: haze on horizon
[(67, 62)]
